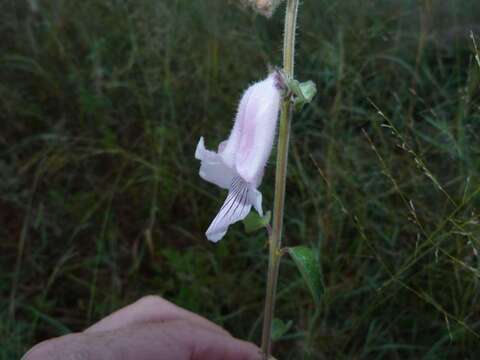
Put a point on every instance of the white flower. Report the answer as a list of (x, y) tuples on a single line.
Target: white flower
[(239, 163)]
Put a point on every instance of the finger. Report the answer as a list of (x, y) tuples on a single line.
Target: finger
[(65, 347), (214, 346), (180, 340), (150, 309)]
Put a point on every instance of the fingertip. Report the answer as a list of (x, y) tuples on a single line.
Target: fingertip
[(214, 346), (39, 352), (246, 350), (52, 349)]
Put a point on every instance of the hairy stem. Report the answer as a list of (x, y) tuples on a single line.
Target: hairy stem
[(280, 179)]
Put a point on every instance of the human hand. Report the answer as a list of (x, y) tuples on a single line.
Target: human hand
[(149, 329)]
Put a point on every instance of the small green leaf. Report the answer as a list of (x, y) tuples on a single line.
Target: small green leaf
[(303, 92), (280, 328), (294, 86), (254, 222), (309, 90), (309, 267)]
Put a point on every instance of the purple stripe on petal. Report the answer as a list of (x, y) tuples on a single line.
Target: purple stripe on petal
[(235, 208)]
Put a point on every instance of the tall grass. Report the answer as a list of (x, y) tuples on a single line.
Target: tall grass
[(101, 105)]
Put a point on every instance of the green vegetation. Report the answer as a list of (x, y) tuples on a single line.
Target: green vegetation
[(102, 104)]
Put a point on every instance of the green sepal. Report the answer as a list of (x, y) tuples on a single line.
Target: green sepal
[(254, 221), (302, 92)]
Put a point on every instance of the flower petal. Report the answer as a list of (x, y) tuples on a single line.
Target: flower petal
[(229, 151), (258, 131), (212, 168), (236, 207), (255, 198)]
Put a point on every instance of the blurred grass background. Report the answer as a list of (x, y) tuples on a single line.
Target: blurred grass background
[(102, 104)]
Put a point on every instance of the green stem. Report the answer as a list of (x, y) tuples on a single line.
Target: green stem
[(280, 179)]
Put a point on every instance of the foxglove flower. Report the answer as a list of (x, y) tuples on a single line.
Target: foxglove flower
[(239, 163)]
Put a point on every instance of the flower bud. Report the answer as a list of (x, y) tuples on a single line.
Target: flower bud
[(264, 7)]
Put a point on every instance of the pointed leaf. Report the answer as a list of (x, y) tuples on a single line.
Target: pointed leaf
[(280, 328), (309, 267), (254, 222)]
